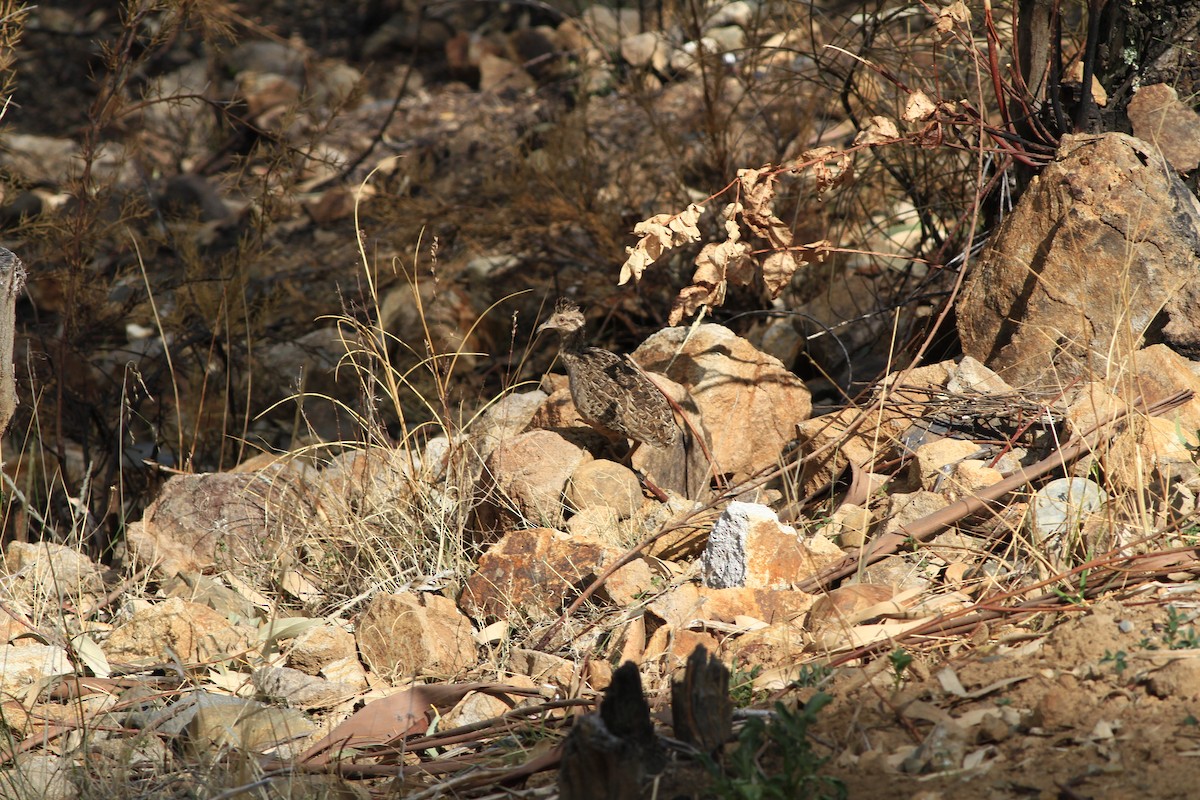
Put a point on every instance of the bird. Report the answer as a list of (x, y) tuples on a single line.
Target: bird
[(610, 393)]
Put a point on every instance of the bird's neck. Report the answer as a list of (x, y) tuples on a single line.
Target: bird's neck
[(573, 342)]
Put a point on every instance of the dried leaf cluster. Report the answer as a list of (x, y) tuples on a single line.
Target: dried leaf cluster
[(734, 260)]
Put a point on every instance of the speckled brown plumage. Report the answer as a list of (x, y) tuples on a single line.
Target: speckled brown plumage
[(609, 392)]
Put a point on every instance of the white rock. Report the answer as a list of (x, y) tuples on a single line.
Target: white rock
[(25, 665)]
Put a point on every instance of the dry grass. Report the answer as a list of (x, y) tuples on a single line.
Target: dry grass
[(105, 420)]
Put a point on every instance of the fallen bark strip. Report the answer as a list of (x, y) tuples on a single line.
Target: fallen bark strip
[(929, 526)]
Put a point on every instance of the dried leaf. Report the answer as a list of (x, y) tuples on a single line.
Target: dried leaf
[(715, 260), (659, 234), (689, 301), (880, 130), (777, 233), (757, 194), (396, 716), (777, 271), (684, 226), (952, 14), (918, 107), (832, 167)]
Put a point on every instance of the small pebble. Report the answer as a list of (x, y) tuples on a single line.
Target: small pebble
[(1125, 626)]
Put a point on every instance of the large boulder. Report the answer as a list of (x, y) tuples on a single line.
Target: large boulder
[(749, 402), (1101, 255)]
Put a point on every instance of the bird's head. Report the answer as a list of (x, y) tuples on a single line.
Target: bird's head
[(566, 319)]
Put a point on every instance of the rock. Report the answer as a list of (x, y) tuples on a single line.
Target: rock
[(970, 476), (934, 462), (850, 524), (542, 667), (749, 402), (739, 13), (41, 775), (1061, 506), (878, 437), (208, 591), (847, 606), (298, 690), (268, 97), (373, 477), (191, 198), (677, 646), (408, 635), (686, 538), (905, 508), (970, 376), (313, 359), (475, 707), (218, 521), (782, 341), (647, 50), (405, 32), (942, 750), (45, 160), (599, 524), (679, 606), (1052, 293), (317, 647), (628, 585), (1160, 118), (606, 484), (1180, 680), (534, 573), (738, 604), (610, 25), (1159, 372), (25, 665), (529, 572), (749, 547), (333, 85), (346, 671), (728, 38), (524, 480), (776, 647), (687, 57), (246, 725), (498, 74), (175, 629), (46, 570), (505, 419), (898, 572), (333, 204), (841, 299)]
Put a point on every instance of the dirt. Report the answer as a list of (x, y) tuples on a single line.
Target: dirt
[(1090, 702), (1085, 715)]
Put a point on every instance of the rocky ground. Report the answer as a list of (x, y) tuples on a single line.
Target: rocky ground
[(297, 503)]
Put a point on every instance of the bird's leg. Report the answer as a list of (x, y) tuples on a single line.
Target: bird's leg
[(649, 485)]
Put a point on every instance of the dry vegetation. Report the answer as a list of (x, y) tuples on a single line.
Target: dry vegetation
[(365, 294)]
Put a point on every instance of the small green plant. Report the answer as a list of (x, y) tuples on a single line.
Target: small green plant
[(785, 736), (1076, 597), (901, 660), (1175, 635), (1117, 659), (812, 675), (741, 683)]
